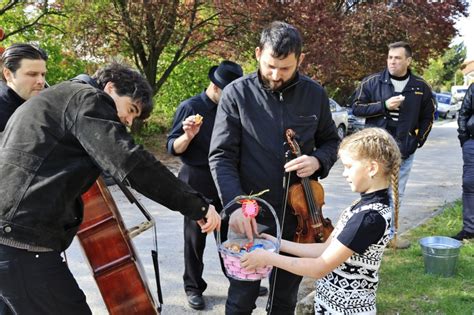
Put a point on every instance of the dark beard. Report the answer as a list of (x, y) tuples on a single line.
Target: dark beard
[(271, 84)]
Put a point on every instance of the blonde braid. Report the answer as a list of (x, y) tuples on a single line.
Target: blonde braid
[(395, 199)]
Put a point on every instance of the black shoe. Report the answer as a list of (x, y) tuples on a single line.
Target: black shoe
[(196, 301), (463, 235), (262, 291)]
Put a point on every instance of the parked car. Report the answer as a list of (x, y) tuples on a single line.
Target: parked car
[(436, 113), (458, 92), (356, 123), (448, 106), (340, 117)]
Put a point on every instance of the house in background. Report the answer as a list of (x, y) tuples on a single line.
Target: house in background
[(468, 72)]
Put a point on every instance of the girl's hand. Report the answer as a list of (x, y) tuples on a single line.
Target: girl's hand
[(268, 237), (254, 259)]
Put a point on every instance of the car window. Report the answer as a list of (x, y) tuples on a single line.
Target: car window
[(443, 98)]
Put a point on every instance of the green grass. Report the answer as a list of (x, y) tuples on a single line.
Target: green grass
[(404, 288)]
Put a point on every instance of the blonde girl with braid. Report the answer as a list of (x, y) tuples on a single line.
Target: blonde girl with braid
[(346, 266)]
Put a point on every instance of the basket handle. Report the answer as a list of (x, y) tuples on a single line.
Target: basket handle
[(223, 215)]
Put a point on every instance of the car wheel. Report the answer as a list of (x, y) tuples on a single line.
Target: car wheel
[(341, 131)]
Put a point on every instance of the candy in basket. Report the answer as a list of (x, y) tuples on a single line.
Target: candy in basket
[(233, 249)]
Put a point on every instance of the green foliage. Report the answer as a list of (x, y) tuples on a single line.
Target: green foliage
[(404, 287), (63, 63), (187, 79), (443, 72)]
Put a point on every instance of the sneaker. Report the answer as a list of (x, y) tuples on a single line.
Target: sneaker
[(401, 243), (463, 235)]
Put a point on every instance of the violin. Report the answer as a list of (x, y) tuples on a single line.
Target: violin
[(306, 199)]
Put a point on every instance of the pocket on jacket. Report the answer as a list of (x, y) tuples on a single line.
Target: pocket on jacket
[(305, 128), (17, 169)]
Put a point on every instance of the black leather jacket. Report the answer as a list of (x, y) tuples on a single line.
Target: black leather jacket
[(247, 150), (416, 113), (465, 118), (54, 148), (9, 102)]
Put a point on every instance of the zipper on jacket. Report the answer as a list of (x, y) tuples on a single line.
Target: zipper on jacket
[(289, 86)]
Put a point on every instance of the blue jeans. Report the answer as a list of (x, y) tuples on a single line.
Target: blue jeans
[(38, 283), (403, 175), (405, 169), (468, 186)]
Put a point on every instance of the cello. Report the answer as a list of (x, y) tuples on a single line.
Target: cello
[(109, 250), (306, 200)]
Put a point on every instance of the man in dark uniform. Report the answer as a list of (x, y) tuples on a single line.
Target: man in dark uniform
[(23, 76), (189, 138), (51, 152)]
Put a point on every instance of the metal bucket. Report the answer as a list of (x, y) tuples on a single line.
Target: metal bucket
[(440, 254)]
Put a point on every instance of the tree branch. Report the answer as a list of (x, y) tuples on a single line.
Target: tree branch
[(8, 6)]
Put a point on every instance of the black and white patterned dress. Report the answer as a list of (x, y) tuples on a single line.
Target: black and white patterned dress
[(351, 288)]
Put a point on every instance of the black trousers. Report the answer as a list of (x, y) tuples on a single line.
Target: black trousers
[(38, 283), (243, 294), (468, 185), (200, 179)]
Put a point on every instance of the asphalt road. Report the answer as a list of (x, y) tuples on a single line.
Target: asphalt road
[(434, 181)]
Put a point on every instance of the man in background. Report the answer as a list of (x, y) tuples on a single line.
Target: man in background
[(23, 76), (400, 102), (466, 139), (23, 68), (189, 138)]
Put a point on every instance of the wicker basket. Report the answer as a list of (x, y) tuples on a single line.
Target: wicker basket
[(232, 258)]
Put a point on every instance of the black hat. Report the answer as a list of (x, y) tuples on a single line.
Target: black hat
[(226, 72)]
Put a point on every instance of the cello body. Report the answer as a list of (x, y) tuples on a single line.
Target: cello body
[(112, 256)]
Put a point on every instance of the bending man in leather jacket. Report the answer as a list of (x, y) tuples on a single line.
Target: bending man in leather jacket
[(53, 149)]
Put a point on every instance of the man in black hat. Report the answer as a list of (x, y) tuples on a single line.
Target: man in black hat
[(189, 138)]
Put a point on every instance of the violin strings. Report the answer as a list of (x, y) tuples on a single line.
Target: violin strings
[(311, 202)]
